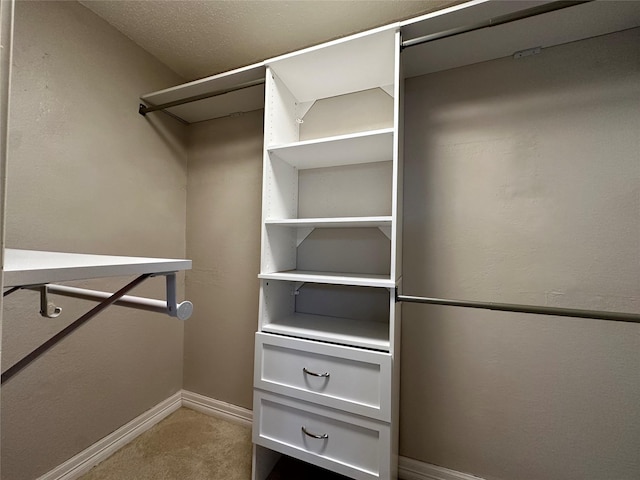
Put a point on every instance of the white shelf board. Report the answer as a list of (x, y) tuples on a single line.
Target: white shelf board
[(344, 331), (546, 30), (338, 222), (355, 279), (351, 64), (35, 267), (362, 147), (245, 100)]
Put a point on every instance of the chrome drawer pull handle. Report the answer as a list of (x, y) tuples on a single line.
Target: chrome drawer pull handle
[(313, 435), (309, 372)]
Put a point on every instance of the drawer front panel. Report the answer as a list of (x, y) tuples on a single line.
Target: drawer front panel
[(349, 445), (346, 378)]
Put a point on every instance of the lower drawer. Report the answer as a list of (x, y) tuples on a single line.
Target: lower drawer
[(347, 444)]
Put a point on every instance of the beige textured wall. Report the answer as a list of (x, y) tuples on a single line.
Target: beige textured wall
[(522, 185), (87, 174), (6, 40), (223, 240)]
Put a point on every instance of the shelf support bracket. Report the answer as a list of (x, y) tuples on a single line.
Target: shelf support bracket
[(302, 109), (302, 234), (386, 230)]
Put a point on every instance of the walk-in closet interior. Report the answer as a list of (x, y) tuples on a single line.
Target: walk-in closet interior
[(410, 250)]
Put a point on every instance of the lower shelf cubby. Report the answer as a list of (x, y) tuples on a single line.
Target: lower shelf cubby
[(341, 314)]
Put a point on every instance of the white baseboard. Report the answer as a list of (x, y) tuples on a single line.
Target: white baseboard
[(216, 408), (410, 469), (103, 449)]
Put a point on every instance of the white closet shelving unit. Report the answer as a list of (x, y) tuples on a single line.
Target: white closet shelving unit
[(327, 345)]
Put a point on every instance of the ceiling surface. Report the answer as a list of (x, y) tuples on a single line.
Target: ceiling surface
[(198, 38)]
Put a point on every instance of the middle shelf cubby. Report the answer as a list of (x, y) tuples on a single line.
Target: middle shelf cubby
[(364, 252)]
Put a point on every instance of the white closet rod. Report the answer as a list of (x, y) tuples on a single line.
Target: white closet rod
[(182, 310), (493, 22)]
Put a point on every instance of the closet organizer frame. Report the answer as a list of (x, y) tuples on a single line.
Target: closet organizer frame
[(439, 41), (38, 270), (328, 336)]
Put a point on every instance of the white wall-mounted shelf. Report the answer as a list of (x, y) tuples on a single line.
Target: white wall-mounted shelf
[(359, 280), (35, 267), (351, 149), (343, 331)]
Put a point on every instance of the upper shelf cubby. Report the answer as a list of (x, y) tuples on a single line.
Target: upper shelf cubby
[(348, 65)]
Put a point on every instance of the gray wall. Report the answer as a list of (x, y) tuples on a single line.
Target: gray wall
[(522, 185), (87, 174), (223, 240)]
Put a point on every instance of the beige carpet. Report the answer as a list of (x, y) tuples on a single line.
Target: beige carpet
[(187, 445)]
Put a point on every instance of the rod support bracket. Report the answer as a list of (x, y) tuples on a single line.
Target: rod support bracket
[(182, 310), (48, 309)]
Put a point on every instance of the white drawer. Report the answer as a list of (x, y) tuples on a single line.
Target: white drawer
[(350, 445), (355, 380)]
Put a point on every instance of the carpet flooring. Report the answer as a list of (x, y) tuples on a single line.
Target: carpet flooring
[(189, 445)]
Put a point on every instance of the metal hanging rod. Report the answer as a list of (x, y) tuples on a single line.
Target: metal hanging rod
[(143, 109), (538, 310), (492, 22)]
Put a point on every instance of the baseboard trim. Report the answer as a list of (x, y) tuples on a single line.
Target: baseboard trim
[(216, 408), (410, 469), (104, 448)]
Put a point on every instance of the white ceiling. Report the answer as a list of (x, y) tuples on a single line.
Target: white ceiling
[(198, 38)]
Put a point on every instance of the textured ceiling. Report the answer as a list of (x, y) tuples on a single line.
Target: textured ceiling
[(198, 38)]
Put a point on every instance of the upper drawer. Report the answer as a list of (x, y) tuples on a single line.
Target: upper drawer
[(350, 379)]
